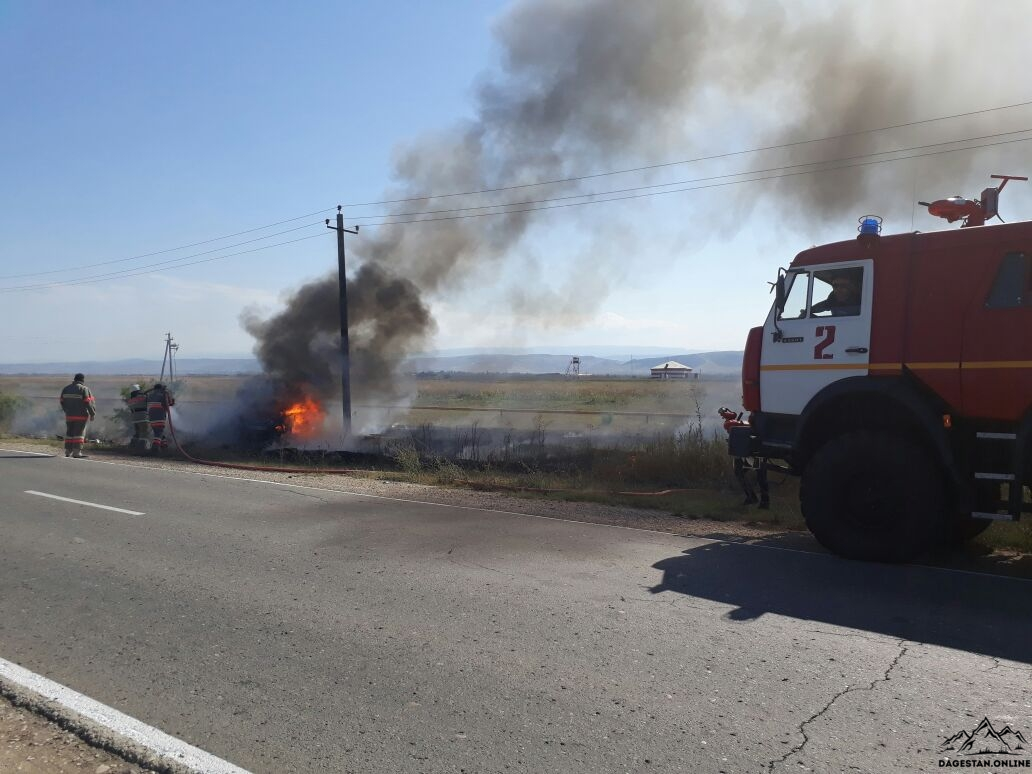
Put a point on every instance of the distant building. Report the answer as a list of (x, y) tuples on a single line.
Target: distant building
[(671, 370)]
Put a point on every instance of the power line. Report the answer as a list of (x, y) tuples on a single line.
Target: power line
[(714, 157), (154, 268), (700, 187), (173, 249), (390, 218), (138, 271), (171, 260), (653, 186), (529, 185)]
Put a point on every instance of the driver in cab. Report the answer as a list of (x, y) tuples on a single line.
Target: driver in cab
[(844, 299)]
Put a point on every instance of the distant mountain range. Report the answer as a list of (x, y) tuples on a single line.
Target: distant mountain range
[(708, 363)]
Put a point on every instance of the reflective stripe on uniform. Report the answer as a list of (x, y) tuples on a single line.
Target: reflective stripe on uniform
[(75, 432), (77, 402)]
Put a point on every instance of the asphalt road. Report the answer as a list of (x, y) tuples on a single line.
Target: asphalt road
[(296, 629)]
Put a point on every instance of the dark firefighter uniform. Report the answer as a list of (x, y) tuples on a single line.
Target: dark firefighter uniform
[(77, 404), (742, 466), (137, 403), (159, 401)]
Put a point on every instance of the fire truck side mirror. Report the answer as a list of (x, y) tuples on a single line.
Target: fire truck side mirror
[(779, 294), (991, 202)]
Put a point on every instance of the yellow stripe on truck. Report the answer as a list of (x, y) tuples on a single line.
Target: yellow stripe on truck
[(997, 364), (987, 364), (819, 367)]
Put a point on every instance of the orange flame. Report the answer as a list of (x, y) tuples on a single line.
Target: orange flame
[(304, 418)]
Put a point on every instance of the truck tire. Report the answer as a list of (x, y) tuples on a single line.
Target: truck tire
[(874, 495)]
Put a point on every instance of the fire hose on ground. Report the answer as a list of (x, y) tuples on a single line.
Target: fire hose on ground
[(471, 484)]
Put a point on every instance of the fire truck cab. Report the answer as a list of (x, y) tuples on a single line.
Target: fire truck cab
[(894, 375)]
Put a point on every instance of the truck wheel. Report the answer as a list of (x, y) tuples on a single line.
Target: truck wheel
[(876, 496)]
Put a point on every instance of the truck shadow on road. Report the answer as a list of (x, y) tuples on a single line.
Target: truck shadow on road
[(975, 612)]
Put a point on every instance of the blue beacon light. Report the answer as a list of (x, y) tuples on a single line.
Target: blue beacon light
[(870, 225)]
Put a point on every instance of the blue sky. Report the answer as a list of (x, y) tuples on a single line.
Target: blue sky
[(132, 128)]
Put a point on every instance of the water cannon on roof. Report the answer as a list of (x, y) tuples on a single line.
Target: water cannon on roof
[(973, 213)]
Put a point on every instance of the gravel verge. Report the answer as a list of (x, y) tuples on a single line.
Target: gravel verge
[(31, 744)]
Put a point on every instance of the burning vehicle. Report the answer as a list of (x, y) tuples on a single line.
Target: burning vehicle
[(268, 413)]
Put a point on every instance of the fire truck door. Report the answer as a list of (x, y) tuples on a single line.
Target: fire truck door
[(996, 361), (823, 335)]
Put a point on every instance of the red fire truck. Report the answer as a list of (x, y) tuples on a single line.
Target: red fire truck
[(894, 375)]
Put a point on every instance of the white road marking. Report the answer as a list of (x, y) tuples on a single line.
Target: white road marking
[(761, 546), (83, 502), (19, 451), (153, 739)]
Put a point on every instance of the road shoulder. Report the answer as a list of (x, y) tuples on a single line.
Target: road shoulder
[(31, 744)]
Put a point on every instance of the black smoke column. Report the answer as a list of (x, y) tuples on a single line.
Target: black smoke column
[(345, 356)]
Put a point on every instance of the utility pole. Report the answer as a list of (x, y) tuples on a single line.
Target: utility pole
[(170, 350), (345, 356)]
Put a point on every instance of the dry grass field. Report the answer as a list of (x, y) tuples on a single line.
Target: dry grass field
[(595, 405), (108, 388), (585, 393)]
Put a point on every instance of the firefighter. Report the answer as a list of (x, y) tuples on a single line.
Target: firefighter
[(137, 402), (78, 406), (159, 401), (743, 465)]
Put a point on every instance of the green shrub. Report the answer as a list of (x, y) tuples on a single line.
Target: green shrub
[(10, 405), (121, 416), (407, 458)]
